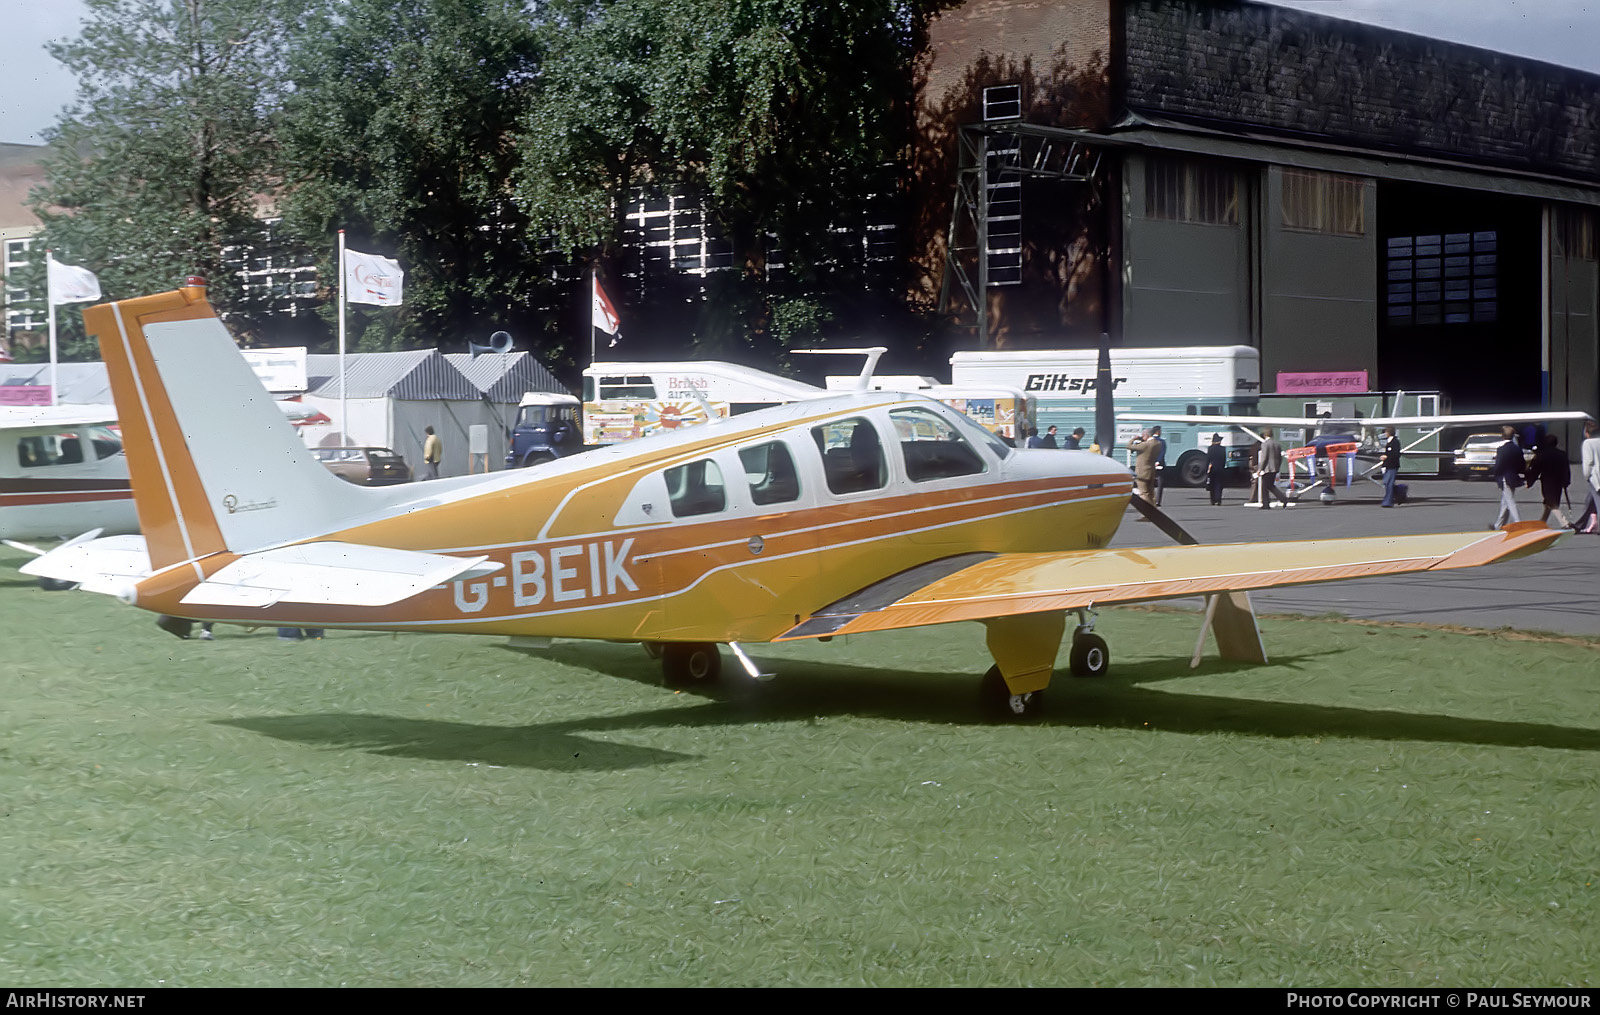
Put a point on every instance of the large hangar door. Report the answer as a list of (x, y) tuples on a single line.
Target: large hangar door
[(1458, 290)]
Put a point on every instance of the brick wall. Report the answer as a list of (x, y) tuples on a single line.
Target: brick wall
[(1311, 76)]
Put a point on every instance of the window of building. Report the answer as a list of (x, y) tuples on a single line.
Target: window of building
[(931, 447), (696, 489), (1442, 278), (1183, 191), (770, 471), (852, 455), (1324, 202)]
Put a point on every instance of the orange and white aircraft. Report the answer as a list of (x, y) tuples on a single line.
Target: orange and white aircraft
[(854, 512)]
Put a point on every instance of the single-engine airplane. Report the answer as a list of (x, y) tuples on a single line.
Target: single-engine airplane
[(1364, 431), (62, 472), (852, 512)]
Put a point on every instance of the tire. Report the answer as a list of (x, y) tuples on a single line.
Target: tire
[(1090, 656), (999, 702), (690, 664), (1191, 470)]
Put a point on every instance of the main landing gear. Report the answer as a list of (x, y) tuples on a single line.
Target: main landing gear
[(688, 663), (1028, 645)]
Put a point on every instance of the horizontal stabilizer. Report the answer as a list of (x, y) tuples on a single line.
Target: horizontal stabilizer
[(109, 566), (332, 574)]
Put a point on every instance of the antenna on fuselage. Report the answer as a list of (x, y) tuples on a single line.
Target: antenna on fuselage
[(872, 353)]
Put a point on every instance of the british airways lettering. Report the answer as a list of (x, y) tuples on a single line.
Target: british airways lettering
[(1065, 382), (558, 575)]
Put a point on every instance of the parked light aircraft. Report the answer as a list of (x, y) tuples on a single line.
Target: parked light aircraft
[(1363, 429), (853, 512), (62, 472)]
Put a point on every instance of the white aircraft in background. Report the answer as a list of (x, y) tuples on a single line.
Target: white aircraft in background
[(849, 513), (62, 472), (1365, 431)]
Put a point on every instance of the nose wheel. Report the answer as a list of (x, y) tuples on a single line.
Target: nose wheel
[(1000, 702)]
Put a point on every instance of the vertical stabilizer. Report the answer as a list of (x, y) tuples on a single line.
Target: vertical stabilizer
[(215, 465)]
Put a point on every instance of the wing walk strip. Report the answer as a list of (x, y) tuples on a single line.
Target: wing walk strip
[(1009, 584)]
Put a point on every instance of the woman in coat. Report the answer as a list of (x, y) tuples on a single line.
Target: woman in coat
[(1550, 468)]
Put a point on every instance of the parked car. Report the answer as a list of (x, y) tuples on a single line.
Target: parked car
[(365, 466), (1475, 456)]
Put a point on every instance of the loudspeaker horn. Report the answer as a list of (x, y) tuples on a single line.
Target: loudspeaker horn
[(500, 341)]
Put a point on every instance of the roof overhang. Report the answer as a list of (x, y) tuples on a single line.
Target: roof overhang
[(1142, 131)]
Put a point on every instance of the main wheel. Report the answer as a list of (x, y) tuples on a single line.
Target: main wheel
[(1192, 469), (999, 700), (690, 663), (1090, 657)]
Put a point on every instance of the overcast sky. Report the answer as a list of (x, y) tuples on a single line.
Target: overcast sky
[(35, 87)]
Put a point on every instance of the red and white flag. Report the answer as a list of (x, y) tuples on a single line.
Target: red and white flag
[(605, 314)]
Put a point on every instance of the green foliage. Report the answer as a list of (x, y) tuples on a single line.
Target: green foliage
[(486, 144), (399, 130), (158, 168)]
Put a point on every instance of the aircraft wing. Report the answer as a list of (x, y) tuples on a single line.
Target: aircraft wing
[(1470, 419), (1019, 583)]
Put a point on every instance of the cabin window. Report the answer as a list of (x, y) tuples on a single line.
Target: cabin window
[(106, 442), (695, 489), (931, 446), (770, 471), (852, 455), (49, 449), (627, 387)]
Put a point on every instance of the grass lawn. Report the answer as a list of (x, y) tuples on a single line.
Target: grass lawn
[(1379, 806)]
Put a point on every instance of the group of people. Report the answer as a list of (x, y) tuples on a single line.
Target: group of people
[(1550, 469), (1074, 441)]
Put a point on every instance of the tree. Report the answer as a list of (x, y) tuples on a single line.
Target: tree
[(159, 169), (399, 129), (783, 113)]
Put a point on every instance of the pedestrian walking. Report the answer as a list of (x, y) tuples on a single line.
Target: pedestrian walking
[(1507, 471), (1588, 519), (1554, 474), (1271, 462), (1391, 465), (1216, 467), (432, 454)]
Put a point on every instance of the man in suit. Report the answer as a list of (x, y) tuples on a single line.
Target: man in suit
[(1271, 461), (1507, 472)]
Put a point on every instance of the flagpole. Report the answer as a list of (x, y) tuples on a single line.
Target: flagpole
[(49, 297), (594, 287), (344, 417)]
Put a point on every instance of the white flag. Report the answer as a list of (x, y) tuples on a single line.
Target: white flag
[(369, 278), (70, 284)]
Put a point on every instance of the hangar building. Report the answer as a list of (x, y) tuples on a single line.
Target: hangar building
[(1340, 196)]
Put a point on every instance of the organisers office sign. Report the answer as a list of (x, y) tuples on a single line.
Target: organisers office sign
[(1321, 382)]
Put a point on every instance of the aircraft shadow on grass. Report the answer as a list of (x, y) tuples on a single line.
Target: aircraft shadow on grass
[(811, 690)]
